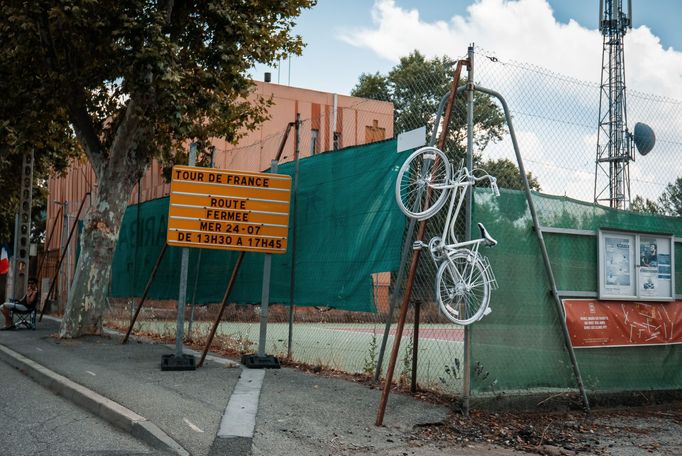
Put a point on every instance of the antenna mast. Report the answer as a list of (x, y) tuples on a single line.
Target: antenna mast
[(615, 148)]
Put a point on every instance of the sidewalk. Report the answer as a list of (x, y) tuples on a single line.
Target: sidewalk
[(187, 406), (297, 413)]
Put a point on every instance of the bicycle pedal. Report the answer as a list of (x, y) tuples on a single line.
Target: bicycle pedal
[(487, 311), (418, 245)]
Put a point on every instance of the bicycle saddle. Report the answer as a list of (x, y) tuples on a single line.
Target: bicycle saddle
[(489, 241)]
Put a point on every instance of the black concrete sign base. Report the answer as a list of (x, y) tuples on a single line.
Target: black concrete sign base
[(260, 362), (175, 363)]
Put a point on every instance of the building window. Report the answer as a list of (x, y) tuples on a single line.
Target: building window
[(374, 132), (314, 141), (337, 140)]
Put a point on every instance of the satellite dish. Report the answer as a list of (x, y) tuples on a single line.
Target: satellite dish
[(644, 138)]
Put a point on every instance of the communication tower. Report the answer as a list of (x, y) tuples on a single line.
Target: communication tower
[(615, 144)]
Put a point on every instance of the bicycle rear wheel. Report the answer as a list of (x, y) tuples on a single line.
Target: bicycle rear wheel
[(463, 287), (420, 188)]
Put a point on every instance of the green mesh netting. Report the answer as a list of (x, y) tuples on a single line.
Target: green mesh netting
[(348, 228), (519, 346)]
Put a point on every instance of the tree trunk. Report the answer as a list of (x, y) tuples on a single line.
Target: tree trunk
[(89, 296)]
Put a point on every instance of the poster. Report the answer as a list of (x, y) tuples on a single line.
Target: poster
[(617, 269), (655, 267), (593, 323)]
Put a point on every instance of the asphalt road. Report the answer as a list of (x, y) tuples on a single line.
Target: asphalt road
[(36, 422)]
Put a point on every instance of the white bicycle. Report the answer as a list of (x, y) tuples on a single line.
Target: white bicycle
[(464, 278)]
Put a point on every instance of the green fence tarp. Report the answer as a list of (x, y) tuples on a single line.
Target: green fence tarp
[(348, 228), (519, 346)]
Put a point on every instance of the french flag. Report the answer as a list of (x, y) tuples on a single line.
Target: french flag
[(4, 262)]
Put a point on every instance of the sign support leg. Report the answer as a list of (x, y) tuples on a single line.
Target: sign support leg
[(261, 360), (181, 361), (144, 295)]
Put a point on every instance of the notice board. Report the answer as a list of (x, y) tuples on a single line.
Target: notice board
[(229, 210), (636, 266)]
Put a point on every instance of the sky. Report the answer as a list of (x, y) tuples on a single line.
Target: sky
[(348, 37), (559, 37)]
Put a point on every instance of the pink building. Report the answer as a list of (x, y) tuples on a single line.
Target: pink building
[(328, 121)]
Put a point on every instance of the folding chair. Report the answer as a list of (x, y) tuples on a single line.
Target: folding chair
[(25, 318)]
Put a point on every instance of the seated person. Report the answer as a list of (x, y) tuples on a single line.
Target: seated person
[(25, 304)]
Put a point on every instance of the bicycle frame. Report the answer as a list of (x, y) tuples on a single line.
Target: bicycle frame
[(458, 188)]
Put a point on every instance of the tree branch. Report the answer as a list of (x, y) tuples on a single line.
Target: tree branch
[(85, 130), (126, 134)]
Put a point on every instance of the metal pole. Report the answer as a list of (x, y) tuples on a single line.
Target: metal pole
[(399, 329), (407, 249), (196, 279), (466, 387), (230, 284), (184, 265), (146, 290), (543, 249), (15, 253), (192, 303), (292, 277), (138, 239), (65, 252), (413, 267), (47, 244), (265, 293), (415, 345), (61, 258)]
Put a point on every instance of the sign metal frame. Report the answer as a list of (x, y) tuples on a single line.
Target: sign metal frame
[(627, 271), (229, 210)]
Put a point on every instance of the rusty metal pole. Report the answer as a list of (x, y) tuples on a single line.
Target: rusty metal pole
[(61, 259), (230, 285), (399, 329), (146, 290), (415, 261)]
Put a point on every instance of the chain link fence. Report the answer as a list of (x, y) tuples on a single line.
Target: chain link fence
[(519, 348)]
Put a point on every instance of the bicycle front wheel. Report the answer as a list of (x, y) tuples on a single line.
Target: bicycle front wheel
[(421, 186), (463, 287)]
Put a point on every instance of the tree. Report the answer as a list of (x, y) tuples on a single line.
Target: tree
[(374, 86), (416, 86), (644, 205), (136, 79), (670, 202), (508, 176)]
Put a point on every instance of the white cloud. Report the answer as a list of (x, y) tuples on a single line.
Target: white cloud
[(523, 30), (555, 118)]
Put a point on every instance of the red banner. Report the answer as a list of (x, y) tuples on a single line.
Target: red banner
[(594, 323)]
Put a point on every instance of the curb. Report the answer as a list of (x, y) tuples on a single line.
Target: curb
[(121, 417)]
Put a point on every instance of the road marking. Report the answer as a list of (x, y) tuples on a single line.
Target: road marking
[(193, 426), (239, 419), (91, 373), (39, 349)]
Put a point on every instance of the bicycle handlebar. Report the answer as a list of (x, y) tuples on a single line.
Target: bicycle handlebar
[(469, 176)]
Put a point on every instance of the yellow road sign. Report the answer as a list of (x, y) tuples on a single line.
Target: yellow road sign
[(231, 210)]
